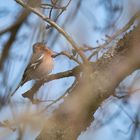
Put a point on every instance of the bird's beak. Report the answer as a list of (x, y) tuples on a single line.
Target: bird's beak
[(54, 54)]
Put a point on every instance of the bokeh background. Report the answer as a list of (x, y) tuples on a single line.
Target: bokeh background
[(88, 22)]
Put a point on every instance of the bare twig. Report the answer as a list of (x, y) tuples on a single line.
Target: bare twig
[(74, 72), (50, 13), (110, 39), (49, 6), (94, 53), (68, 18), (69, 56), (63, 9), (58, 28)]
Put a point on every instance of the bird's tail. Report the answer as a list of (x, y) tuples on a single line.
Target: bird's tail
[(19, 85), (15, 89)]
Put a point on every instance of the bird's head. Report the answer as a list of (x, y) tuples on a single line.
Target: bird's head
[(41, 47)]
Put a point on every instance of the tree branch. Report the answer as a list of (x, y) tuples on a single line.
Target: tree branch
[(74, 72), (58, 28), (13, 33), (119, 32), (76, 112), (69, 56), (97, 82)]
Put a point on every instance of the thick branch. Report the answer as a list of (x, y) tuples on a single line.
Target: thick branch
[(97, 84), (75, 113), (74, 72)]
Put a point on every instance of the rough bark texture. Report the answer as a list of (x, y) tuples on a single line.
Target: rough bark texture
[(97, 84)]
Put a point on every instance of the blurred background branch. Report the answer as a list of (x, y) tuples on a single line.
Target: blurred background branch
[(86, 88)]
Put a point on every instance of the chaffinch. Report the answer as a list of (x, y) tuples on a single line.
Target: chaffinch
[(40, 65)]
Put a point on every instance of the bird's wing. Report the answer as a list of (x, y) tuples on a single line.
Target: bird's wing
[(36, 60), (36, 63)]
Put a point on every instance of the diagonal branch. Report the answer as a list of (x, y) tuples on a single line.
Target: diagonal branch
[(13, 33), (119, 32), (74, 72), (76, 112), (58, 28), (69, 56)]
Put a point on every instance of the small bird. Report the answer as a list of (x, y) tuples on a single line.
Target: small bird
[(40, 65)]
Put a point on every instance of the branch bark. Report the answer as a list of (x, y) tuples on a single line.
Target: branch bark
[(75, 113), (97, 83), (58, 28), (13, 33), (29, 94)]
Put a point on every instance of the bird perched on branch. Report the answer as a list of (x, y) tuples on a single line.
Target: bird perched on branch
[(40, 65)]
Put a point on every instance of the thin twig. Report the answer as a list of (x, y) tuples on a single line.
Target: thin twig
[(58, 28), (59, 98), (49, 6), (68, 18), (74, 72), (110, 39), (69, 56)]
